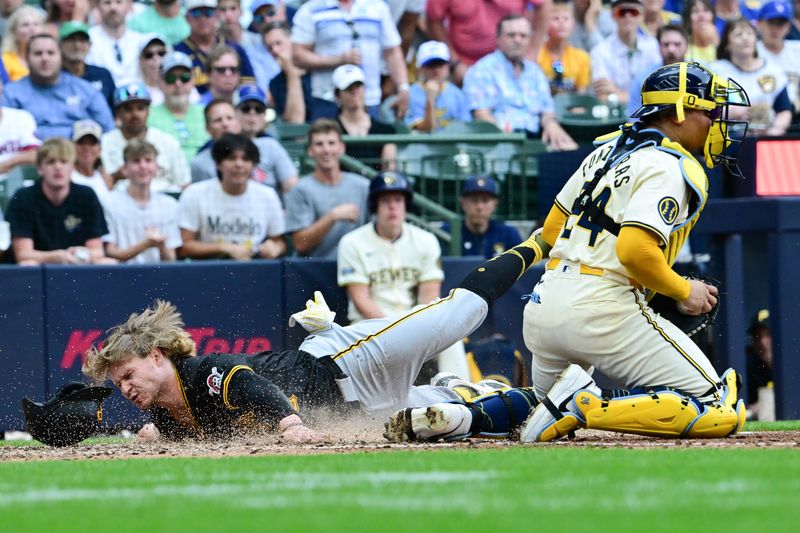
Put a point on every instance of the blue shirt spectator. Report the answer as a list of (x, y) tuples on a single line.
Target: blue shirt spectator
[(515, 102), (56, 99), (449, 104)]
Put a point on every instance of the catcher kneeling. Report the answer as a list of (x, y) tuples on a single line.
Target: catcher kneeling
[(615, 229)]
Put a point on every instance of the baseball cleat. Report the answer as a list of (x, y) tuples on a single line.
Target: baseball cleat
[(441, 421), (551, 419)]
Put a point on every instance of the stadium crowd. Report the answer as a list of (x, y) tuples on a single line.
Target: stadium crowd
[(122, 106)]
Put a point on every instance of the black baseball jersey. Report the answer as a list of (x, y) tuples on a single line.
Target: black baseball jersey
[(226, 393)]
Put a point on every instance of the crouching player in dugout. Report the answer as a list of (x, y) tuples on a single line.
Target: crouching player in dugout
[(615, 229)]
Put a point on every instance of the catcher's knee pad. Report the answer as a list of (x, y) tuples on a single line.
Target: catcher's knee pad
[(664, 413), (501, 413)]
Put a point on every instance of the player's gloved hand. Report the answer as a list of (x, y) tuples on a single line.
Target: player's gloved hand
[(316, 317)]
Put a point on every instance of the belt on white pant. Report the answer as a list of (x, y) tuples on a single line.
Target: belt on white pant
[(587, 270)]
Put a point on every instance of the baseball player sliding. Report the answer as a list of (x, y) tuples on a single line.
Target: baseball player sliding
[(616, 228), (367, 368)]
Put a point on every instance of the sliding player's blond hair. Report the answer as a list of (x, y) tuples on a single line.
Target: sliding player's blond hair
[(159, 326)]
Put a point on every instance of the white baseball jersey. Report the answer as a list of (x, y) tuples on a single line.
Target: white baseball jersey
[(249, 218), (128, 221), (17, 133), (789, 60), (650, 188), (392, 269), (590, 316)]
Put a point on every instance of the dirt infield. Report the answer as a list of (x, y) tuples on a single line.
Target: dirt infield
[(269, 445)]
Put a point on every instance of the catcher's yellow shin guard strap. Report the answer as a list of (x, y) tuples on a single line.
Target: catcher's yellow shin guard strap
[(658, 414)]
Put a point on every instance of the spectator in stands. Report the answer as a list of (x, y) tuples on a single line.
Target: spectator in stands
[(263, 11), (18, 140), (251, 110), (7, 8), (480, 233), (75, 43), (774, 21), (770, 110), (61, 11), (356, 32), (434, 102), (406, 15), (232, 216), (511, 91), (794, 29), (673, 44), (54, 220), (468, 27), (132, 109), (567, 68), (616, 59), (142, 224), (164, 17), (654, 16), (275, 168), (593, 23), (154, 48), (730, 10), (203, 37), (114, 46), (56, 99), (223, 74), (88, 169), (290, 88), (23, 24), (178, 116), (353, 119), (698, 19), (329, 203)]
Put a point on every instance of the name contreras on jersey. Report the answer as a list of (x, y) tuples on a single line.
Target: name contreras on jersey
[(393, 275)]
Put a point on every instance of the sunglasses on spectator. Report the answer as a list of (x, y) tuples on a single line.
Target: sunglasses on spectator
[(150, 54), (225, 70), (627, 11), (270, 12), (247, 109), (207, 12), (171, 78)]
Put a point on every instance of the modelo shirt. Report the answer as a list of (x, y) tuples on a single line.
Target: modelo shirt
[(216, 216), (56, 227)]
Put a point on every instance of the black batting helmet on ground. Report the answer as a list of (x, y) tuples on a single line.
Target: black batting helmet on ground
[(386, 182), (73, 414)]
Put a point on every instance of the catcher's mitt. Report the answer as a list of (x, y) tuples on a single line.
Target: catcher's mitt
[(689, 324)]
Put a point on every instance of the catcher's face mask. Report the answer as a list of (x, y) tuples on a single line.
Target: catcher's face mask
[(692, 86), (72, 415)]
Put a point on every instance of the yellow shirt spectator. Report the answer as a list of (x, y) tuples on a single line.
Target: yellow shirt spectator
[(572, 73)]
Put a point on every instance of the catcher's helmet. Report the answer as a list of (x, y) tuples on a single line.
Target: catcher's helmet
[(73, 414), (388, 182), (692, 86)]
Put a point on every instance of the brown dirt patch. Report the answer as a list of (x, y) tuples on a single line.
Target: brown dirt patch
[(366, 441)]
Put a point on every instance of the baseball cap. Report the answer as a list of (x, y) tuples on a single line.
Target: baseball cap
[(248, 92), (627, 3), (760, 320), (775, 10), (432, 51), (85, 127), (479, 184), (132, 92), (194, 4), (258, 4), (68, 29), (175, 59), (150, 38), (346, 75)]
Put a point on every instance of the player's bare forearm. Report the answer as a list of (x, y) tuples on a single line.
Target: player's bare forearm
[(428, 291), (308, 238), (304, 57), (295, 110), (362, 300)]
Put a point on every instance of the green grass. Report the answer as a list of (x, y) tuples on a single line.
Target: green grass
[(518, 489)]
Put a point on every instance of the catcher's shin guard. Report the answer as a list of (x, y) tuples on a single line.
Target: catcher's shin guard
[(657, 413)]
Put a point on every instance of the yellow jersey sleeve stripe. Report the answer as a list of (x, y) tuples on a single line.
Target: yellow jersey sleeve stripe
[(227, 381)]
